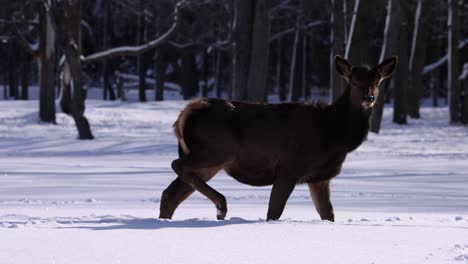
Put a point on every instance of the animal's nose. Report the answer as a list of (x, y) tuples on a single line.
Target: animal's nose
[(368, 98)]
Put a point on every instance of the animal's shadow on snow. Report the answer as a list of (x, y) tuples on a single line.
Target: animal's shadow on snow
[(150, 223)]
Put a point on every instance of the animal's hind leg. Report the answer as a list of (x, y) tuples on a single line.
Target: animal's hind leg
[(173, 196), (320, 193), (188, 169)]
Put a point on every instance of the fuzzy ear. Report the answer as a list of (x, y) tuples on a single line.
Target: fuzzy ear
[(343, 67), (387, 67)]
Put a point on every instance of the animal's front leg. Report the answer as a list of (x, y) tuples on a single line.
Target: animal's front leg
[(320, 193), (282, 189)]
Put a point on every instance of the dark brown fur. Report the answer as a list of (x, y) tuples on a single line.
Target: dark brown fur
[(272, 144)]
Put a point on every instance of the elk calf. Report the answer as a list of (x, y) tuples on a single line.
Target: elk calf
[(278, 144)]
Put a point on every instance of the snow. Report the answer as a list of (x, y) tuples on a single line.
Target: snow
[(402, 197)]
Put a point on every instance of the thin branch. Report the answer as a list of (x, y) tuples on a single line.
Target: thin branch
[(136, 50), (16, 22), (293, 29), (442, 60), (279, 6)]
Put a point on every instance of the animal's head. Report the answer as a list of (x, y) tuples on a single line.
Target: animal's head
[(364, 81)]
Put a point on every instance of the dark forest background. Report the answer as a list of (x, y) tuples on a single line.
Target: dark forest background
[(240, 49)]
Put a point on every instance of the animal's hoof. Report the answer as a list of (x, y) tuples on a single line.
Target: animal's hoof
[(220, 217), (272, 217), (221, 213)]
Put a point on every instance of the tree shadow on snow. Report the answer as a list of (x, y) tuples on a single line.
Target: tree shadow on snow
[(151, 223)]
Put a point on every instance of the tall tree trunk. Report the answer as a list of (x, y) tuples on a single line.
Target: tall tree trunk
[(25, 68), (453, 85), (280, 70), (401, 77), (418, 56), (464, 98), (159, 72), (5, 87), (46, 64), (142, 65), (361, 31), (218, 73), (295, 67), (188, 75), (305, 67), (389, 47), (67, 16), (258, 69), (13, 69), (434, 89), (242, 47), (337, 46), (107, 70), (204, 74)]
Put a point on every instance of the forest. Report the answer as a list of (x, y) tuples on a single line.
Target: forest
[(259, 50)]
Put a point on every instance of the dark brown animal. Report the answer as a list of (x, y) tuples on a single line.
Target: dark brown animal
[(279, 144)]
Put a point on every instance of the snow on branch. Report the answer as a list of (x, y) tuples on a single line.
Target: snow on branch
[(136, 50), (443, 59), (131, 77)]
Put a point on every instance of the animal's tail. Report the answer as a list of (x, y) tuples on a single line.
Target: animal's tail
[(179, 124)]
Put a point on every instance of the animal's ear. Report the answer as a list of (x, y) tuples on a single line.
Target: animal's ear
[(343, 67), (387, 67)]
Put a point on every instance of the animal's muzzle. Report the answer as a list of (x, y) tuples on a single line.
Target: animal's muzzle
[(368, 98)]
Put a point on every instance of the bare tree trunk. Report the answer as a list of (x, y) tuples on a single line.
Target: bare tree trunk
[(389, 47), (294, 72), (46, 64), (142, 65), (106, 64), (67, 17), (5, 88), (453, 85), (242, 50), (13, 69), (280, 70), (25, 68), (305, 67), (418, 56), (401, 77), (188, 75), (362, 29), (434, 89), (337, 46), (204, 74), (159, 72), (258, 69), (464, 99), (218, 74)]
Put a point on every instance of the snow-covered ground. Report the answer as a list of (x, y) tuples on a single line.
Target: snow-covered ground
[(402, 196)]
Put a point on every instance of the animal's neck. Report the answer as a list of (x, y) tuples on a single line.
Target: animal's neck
[(354, 123)]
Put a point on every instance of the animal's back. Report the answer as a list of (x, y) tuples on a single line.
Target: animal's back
[(263, 139)]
